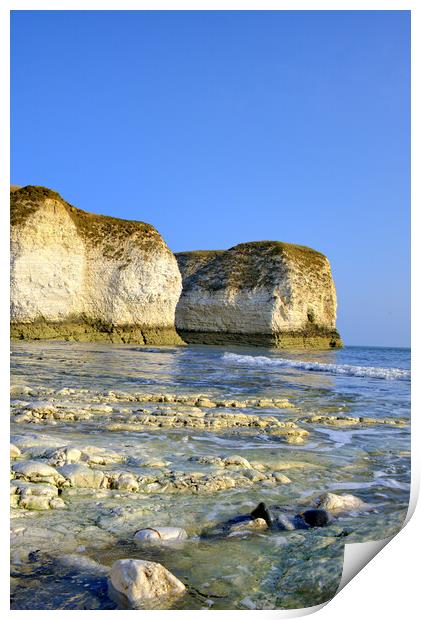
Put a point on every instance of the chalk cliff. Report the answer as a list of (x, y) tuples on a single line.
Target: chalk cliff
[(261, 293), (76, 275)]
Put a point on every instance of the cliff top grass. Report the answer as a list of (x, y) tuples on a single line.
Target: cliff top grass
[(246, 265), (274, 248), (97, 229)]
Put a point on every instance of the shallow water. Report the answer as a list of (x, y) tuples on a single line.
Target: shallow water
[(265, 570)]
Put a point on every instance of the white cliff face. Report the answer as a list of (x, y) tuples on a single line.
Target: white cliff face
[(48, 262), (258, 293), (105, 276)]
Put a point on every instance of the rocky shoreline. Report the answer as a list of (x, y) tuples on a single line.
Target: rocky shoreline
[(131, 495)]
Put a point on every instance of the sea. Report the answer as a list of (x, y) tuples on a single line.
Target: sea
[(264, 570)]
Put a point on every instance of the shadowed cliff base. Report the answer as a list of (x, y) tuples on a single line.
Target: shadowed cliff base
[(312, 338), (95, 331)]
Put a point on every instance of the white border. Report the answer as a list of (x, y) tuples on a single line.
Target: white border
[(389, 580)]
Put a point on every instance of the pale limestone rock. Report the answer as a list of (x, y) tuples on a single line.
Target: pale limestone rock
[(155, 463), (265, 292), (19, 390), (161, 534), (14, 451), (139, 580), (205, 402), (294, 439), (22, 418), (245, 527), (100, 456), (57, 502), (63, 456), (333, 420), (35, 502), (34, 471), (86, 276), (237, 460), (281, 478), (33, 496), (80, 475), (24, 489), (255, 476), (126, 482), (338, 503)]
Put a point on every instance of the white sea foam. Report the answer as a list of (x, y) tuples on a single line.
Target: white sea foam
[(390, 374)]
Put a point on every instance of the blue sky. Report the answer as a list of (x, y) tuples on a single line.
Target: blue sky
[(220, 127)]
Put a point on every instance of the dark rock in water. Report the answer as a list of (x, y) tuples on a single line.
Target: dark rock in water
[(261, 512), (316, 518), (286, 523), (276, 517)]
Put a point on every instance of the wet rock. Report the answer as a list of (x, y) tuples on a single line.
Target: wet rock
[(22, 418), (63, 456), (254, 476), (19, 390), (57, 503), (100, 456), (294, 439), (160, 534), (29, 441), (316, 518), (155, 463), (101, 408), (235, 459), (285, 523), (80, 475), (281, 478), (35, 502), (126, 482), (339, 503), (210, 420), (14, 451), (342, 420), (245, 527), (274, 517), (258, 466), (261, 512), (34, 496), (205, 402), (35, 471), (139, 580), (25, 489), (208, 460), (264, 402)]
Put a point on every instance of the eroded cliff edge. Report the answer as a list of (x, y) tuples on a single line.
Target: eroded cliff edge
[(77, 275), (264, 293)]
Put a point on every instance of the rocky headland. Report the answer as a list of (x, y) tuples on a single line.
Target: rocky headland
[(77, 275), (80, 276), (264, 293)]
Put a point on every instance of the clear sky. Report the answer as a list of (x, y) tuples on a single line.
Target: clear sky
[(222, 127)]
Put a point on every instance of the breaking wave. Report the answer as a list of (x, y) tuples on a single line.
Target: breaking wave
[(389, 374)]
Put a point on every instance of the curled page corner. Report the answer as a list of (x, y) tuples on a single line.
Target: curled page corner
[(358, 555)]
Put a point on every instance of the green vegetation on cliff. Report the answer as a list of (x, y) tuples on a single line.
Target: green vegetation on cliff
[(97, 229)]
